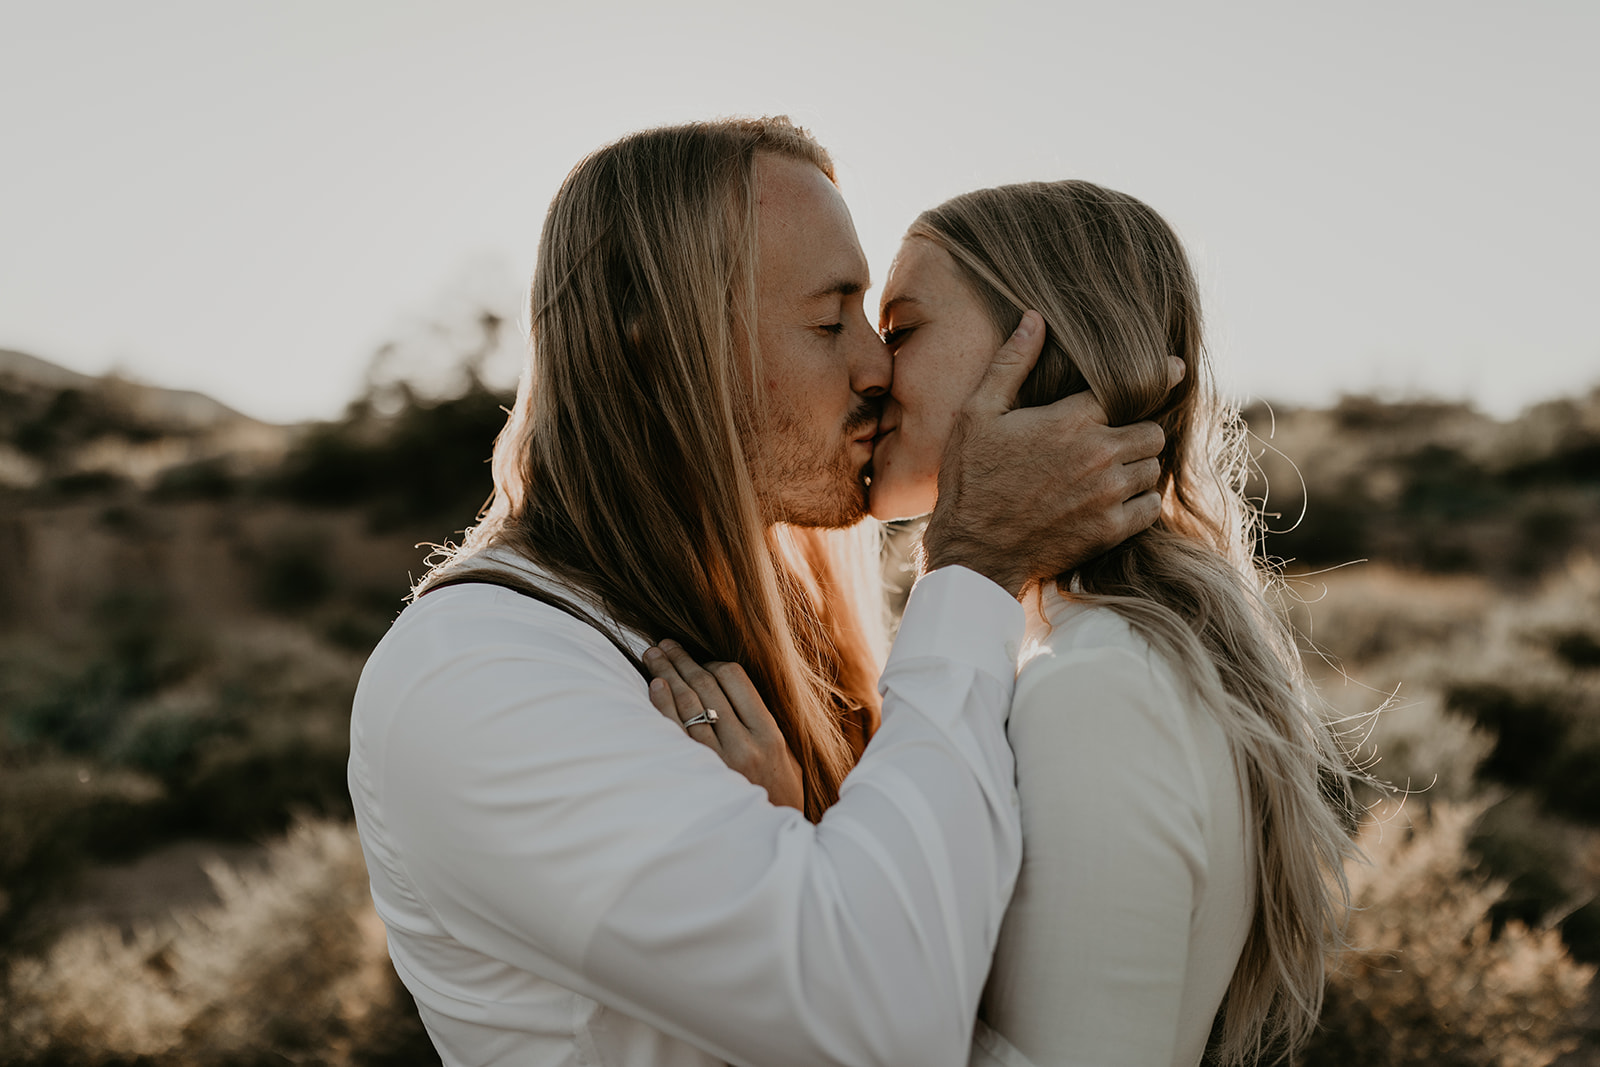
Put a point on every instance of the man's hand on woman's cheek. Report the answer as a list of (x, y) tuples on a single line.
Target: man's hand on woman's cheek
[(1027, 493)]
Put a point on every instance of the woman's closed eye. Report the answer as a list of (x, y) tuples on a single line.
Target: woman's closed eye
[(895, 336)]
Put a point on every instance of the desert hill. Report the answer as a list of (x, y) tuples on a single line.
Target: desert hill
[(59, 424)]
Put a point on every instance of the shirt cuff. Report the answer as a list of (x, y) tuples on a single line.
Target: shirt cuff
[(958, 614)]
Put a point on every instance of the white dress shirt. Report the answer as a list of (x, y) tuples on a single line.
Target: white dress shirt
[(568, 878), (1136, 887)]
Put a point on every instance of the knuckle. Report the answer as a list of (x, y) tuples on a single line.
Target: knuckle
[(1102, 453)]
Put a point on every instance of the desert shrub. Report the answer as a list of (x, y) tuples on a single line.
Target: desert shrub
[(1529, 853), (358, 631), (1431, 486), (1547, 740), (1373, 615), (204, 479), (1441, 481), (292, 573), (244, 787), (1577, 648), (164, 737), (1426, 980), (1332, 529), (1580, 929), (1547, 531), (1529, 727), (137, 645), (1368, 414), (265, 737), (233, 736), (1410, 743), (290, 966), (56, 421), (1569, 447), (54, 814), (87, 483), (428, 462)]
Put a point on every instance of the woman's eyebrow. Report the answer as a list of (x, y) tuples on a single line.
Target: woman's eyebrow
[(905, 298)]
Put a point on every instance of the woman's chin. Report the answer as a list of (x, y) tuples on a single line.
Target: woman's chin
[(889, 502)]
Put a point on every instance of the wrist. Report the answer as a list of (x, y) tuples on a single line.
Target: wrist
[(942, 547)]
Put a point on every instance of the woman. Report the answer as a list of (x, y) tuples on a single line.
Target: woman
[(1182, 802)]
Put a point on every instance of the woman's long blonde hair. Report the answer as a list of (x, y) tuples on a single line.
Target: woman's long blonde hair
[(624, 469), (1118, 297)]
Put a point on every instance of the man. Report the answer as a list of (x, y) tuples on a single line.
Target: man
[(565, 875)]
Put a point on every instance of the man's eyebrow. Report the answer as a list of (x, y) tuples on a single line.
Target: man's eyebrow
[(840, 287)]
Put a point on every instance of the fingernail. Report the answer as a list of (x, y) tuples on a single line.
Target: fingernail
[(1026, 326), (657, 685), (652, 653), (668, 645)]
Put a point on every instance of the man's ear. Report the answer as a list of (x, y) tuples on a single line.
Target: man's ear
[(633, 323)]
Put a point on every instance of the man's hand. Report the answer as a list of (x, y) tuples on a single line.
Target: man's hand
[(1029, 493)]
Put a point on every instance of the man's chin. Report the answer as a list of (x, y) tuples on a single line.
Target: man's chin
[(826, 512)]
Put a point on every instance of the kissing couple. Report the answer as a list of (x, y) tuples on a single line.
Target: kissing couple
[(639, 778)]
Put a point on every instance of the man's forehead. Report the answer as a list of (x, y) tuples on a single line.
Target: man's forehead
[(806, 233)]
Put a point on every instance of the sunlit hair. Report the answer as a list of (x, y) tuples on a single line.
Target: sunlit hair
[(1118, 297), (624, 469)]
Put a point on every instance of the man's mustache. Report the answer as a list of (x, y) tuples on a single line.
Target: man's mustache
[(867, 413)]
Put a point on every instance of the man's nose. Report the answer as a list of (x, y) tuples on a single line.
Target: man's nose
[(871, 367)]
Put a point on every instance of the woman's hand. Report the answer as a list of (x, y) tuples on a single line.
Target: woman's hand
[(719, 707)]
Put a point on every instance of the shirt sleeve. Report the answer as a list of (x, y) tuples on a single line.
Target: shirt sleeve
[(548, 817), (1091, 961)]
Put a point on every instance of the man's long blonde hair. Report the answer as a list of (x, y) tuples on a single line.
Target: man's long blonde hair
[(1118, 297), (624, 468)]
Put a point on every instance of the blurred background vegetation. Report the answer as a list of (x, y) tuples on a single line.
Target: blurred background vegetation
[(189, 596)]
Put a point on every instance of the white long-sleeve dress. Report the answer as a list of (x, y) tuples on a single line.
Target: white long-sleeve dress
[(1136, 887)]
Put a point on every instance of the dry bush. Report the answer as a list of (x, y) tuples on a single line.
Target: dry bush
[(1375, 617), (1412, 743), (1426, 980), (47, 811), (292, 964), (1378, 643)]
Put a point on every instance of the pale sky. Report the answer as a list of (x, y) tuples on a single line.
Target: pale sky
[(248, 198)]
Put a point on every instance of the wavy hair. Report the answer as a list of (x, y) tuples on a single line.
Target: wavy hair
[(1118, 297), (624, 468)]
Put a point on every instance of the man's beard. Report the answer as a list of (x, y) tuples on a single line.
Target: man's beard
[(802, 487)]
